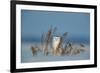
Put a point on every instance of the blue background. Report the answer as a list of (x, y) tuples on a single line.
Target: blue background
[(34, 23)]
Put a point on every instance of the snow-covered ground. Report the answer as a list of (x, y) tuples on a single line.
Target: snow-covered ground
[(27, 56)]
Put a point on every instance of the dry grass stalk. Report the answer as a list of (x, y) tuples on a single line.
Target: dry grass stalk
[(42, 41), (59, 50), (34, 50), (48, 37)]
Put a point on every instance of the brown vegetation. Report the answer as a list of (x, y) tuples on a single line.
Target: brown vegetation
[(46, 47)]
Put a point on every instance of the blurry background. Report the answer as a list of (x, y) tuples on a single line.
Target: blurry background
[(35, 23)]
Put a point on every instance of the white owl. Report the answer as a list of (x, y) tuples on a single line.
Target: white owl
[(55, 42)]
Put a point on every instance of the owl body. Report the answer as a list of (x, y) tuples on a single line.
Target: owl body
[(55, 42)]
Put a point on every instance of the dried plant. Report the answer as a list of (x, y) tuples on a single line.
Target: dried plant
[(82, 45), (46, 41), (42, 41), (34, 50), (65, 34), (48, 37)]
